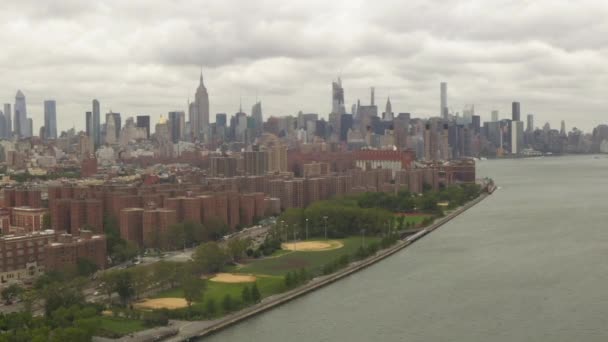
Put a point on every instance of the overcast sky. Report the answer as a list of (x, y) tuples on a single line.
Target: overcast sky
[(145, 56)]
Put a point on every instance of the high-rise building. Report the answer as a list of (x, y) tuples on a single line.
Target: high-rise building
[(143, 121), (96, 126), (516, 130), (256, 113), (530, 126), (476, 123), (8, 114), (388, 112), (2, 125), (21, 124), (515, 111), (562, 130), (443, 110), (337, 97), (30, 127), (50, 119), (494, 116), (88, 117), (176, 119), (199, 112), (220, 119), (113, 126)]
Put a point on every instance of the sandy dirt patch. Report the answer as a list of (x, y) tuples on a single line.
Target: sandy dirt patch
[(312, 246), (233, 278), (162, 303)]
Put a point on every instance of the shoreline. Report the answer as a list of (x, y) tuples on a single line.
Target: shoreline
[(200, 329)]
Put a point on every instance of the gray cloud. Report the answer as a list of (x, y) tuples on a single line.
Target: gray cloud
[(144, 56)]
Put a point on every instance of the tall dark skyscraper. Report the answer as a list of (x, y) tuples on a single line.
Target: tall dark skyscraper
[(337, 97), (476, 123), (443, 107), (96, 126), (8, 114), (89, 124), (515, 111), (143, 121), (530, 126), (21, 124), (220, 120), (175, 126), (50, 119)]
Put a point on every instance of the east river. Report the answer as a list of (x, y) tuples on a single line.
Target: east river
[(529, 263)]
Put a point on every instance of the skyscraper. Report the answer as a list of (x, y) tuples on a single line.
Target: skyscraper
[(443, 110), (50, 119), (515, 111), (494, 116), (113, 125), (21, 124), (337, 97), (143, 121), (256, 113), (388, 112), (199, 115), (175, 125), (562, 130), (8, 114), (530, 126), (89, 124), (96, 127)]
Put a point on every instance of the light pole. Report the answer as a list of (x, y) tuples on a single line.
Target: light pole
[(325, 218), (306, 229), (283, 230), (294, 238)]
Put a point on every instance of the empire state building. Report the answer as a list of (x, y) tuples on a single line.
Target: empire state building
[(199, 112)]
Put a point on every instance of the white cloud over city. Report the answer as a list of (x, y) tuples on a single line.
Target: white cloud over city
[(144, 57)]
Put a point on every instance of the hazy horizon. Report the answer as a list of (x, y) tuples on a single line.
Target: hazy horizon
[(144, 57)]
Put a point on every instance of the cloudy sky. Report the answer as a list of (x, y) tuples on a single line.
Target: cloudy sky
[(144, 56)]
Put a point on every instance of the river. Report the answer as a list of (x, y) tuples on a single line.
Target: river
[(526, 264)]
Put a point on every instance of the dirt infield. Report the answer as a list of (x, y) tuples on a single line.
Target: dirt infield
[(162, 303), (312, 246), (233, 278)]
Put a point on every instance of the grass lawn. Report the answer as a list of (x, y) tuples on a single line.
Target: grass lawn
[(411, 219), (313, 261), (268, 285), (120, 326)]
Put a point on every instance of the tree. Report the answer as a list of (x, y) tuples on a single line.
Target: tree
[(288, 280), (236, 248), (227, 303), (141, 279), (46, 221), (246, 295), (167, 272), (255, 293), (85, 267), (209, 258), (193, 289), (215, 229), (11, 293), (210, 307), (124, 287)]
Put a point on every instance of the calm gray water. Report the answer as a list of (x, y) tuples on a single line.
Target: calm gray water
[(526, 264)]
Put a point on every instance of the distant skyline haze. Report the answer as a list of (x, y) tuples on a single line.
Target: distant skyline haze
[(144, 57)]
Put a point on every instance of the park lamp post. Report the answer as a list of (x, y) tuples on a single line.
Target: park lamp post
[(294, 238), (325, 218), (283, 229), (307, 229)]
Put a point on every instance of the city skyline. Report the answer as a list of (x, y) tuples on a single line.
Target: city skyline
[(282, 56)]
